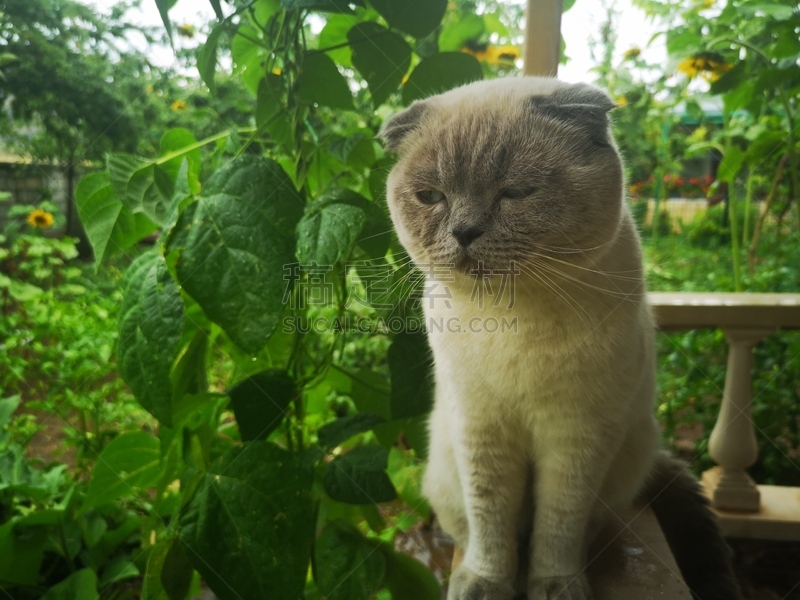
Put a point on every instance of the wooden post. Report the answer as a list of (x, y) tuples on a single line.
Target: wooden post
[(542, 38), (733, 440)]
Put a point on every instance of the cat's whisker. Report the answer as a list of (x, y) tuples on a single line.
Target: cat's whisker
[(608, 274), (632, 296), (573, 304)]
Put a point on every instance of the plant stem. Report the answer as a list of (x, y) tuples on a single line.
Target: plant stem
[(748, 204), (776, 183)]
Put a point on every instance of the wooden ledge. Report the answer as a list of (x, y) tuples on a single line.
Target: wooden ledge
[(637, 565), (778, 517), (698, 310), (631, 563)]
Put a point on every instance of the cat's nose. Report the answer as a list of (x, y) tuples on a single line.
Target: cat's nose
[(466, 234)]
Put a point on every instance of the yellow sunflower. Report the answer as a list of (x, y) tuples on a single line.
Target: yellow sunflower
[(632, 54), (186, 31), (709, 65), (178, 105), (40, 218)]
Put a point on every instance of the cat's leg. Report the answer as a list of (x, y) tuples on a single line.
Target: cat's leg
[(493, 476), (565, 490)]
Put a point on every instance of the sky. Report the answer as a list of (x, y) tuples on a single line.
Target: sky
[(578, 25)]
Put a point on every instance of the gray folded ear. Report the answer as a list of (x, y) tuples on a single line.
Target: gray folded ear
[(396, 129), (581, 105)]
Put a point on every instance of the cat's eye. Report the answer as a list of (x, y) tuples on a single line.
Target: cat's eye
[(430, 196), (517, 193)]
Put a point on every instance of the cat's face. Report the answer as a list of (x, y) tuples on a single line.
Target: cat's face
[(495, 171)]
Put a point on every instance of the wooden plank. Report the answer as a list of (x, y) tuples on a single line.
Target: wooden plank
[(542, 38), (778, 517), (697, 310)]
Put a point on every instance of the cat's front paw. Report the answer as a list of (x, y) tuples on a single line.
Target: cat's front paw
[(466, 585), (560, 588)]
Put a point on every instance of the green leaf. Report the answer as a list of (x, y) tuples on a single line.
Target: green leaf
[(439, 73), (128, 465), (109, 224), (269, 98), (321, 5), (118, 569), (410, 364), (150, 325), (169, 572), (729, 80), (382, 58), (163, 9), (334, 434), (207, 57), (730, 164), (359, 477), (22, 554), (217, 9), (327, 235), (250, 528), (457, 33), (321, 83), (81, 585), (133, 180), (175, 140), (335, 34), (235, 243), (7, 408), (682, 41), (347, 565), (414, 17), (260, 402), (409, 579), (779, 12)]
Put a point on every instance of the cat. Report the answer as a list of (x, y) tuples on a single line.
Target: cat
[(509, 194)]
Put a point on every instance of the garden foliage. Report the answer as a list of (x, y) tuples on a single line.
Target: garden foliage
[(274, 464)]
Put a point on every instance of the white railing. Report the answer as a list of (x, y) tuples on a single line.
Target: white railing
[(746, 319)]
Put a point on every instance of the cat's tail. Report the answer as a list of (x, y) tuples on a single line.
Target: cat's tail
[(691, 529)]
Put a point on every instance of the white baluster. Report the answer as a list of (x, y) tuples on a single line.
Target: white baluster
[(733, 441)]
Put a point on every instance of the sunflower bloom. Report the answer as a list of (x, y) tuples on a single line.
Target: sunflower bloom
[(40, 219), (186, 31), (499, 56), (632, 54), (709, 65), (178, 105)]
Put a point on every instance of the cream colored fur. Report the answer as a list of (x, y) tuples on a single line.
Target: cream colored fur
[(547, 432)]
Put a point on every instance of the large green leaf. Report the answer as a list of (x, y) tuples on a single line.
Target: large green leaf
[(250, 528), (415, 17), (150, 325), (321, 83), (235, 244), (207, 57), (134, 182), (333, 434), (409, 579), (322, 5), (412, 384), (382, 58), (171, 142), (81, 585), (129, 464), (110, 225), (260, 401), (21, 553), (346, 565), (359, 476), (169, 572), (457, 33), (326, 235), (439, 73), (730, 164), (335, 34)]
